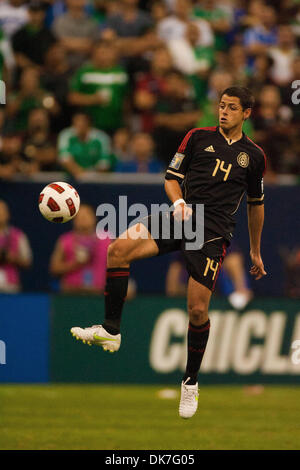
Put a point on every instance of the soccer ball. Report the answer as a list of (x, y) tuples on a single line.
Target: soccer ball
[(59, 202)]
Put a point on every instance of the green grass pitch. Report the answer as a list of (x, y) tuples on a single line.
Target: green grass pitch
[(134, 417)]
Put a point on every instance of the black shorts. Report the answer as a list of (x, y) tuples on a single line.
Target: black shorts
[(202, 264)]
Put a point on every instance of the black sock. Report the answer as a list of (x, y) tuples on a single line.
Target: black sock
[(115, 294), (197, 340)]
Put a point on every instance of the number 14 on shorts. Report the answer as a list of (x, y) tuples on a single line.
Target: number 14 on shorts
[(211, 265)]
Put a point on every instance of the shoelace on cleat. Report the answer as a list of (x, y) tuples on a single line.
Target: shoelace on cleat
[(189, 395)]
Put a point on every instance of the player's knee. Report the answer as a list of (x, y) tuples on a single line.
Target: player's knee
[(198, 313), (117, 253)]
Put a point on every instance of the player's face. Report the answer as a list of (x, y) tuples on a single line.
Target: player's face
[(231, 113)]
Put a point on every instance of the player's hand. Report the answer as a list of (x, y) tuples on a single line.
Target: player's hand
[(182, 212), (258, 269)]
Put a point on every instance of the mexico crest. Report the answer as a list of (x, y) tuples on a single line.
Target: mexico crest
[(243, 159)]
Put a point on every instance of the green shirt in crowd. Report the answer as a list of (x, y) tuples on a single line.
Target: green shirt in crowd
[(112, 84), (94, 153), (213, 15)]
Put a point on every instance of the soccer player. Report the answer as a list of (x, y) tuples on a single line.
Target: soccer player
[(214, 166)]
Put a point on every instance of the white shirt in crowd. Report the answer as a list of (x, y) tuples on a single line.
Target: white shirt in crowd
[(281, 70), (12, 18), (173, 28)]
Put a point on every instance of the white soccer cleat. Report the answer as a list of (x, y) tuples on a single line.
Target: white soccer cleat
[(97, 335), (189, 400)]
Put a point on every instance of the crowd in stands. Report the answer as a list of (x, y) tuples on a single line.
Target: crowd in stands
[(114, 85)]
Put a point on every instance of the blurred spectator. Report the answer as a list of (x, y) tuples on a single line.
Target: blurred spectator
[(218, 81), (79, 257), (238, 65), (15, 252), (82, 148), (293, 16), (129, 21), (159, 11), (142, 158), (189, 55), (259, 38), (55, 79), (134, 35), (121, 140), (2, 66), (10, 148), (218, 17), (176, 113), (39, 146), (261, 70), (150, 85), (31, 42), (13, 15), (283, 55), (234, 273), (29, 95), (291, 260), (273, 131), (174, 26), (76, 32), (57, 8), (251, 18), (101, 9), (101, 87), (7, 59)]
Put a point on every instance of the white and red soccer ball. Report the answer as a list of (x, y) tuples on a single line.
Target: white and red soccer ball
[(59, 202)]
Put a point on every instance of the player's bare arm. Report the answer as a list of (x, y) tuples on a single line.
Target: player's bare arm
[(255, 226), (174, 193)]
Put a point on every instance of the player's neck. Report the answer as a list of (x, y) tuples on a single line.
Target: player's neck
[(233, 135)]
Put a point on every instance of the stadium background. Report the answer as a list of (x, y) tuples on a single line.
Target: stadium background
[(256, 347)]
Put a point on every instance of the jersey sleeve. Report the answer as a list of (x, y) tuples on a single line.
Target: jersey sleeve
[(180, 162), (255, 191)]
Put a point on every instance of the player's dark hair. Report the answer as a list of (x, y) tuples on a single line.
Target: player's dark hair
[(244, 94)]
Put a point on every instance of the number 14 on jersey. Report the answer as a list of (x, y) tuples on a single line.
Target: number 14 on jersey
[(220, 166)]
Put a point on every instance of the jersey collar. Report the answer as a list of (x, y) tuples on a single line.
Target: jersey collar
[(229, 141)]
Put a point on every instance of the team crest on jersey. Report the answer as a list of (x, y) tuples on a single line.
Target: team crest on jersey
[(176, 161), (243, 159)]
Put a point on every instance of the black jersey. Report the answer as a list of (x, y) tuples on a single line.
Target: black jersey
[(217, 173)]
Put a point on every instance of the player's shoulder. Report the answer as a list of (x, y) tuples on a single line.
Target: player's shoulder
[(202, 131), (197, 133), (254, 148), (257, 153)]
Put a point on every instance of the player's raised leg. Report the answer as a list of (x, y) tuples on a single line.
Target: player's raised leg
[(136, 243), (198, 332)]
